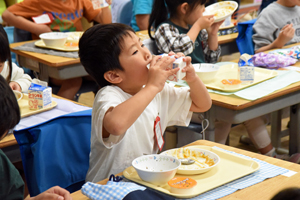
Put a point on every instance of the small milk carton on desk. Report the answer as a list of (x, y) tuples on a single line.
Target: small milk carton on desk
[(246, 69), (39, 95)]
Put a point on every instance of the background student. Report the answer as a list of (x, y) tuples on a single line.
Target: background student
[(11, 183), (133, 99), (181, 27), (141, 10), (13, 74), (67, 14)]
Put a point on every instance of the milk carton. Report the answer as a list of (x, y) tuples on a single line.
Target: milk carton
[(39, 95), (246, 69), (177, 63)]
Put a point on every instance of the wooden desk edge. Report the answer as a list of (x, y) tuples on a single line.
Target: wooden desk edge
[(37, 56)]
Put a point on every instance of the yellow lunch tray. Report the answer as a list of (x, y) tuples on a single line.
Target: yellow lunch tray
[(41, 44), (230, 71), (24, 108), (231, 167)]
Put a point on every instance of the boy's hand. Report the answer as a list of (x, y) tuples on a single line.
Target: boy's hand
[(286, 34), (213, 30), (158, 72), (205, 21), (190, 70), (15, 86)]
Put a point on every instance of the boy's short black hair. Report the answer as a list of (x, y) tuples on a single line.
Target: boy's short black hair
[(100, 47), (9, 108)]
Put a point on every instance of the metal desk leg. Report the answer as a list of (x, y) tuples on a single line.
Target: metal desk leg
[(276, 128), (210, 131), (294, 143)]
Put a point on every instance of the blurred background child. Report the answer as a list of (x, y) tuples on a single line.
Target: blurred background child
[(11, 183), (67, 17), (273, 30), (13, 74), (141, 10), (181, 27)]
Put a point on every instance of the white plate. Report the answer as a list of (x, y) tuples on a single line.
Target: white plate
[(41, 44), (196, 154), (221, 10)]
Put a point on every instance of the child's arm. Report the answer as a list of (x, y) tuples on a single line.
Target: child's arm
[(203, 22), (24, 24), (212, 32), (118, 119), (201, 100), (286, 34), (104, 16)]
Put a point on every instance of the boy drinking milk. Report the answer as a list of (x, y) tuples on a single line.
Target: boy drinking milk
[(135, 105)]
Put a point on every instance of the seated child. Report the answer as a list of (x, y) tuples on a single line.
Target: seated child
[(67, 17), (13, 74), (272, 30), (11, 183), (132, 97), (181, 27)]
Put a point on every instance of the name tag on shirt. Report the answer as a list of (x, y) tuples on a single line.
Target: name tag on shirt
[(158, 133), (46, 18)]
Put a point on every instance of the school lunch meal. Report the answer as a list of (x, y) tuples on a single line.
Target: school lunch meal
[(204, 160), (221, 10)]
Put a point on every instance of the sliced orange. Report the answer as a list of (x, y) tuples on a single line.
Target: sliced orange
[(182, 182), (231, 81)]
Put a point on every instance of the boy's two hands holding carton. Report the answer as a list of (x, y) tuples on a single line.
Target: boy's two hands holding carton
[(157, 77)]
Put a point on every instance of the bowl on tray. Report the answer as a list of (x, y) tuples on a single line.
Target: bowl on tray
[(54, 39), (156, 169), (206, 71), (205, 160)]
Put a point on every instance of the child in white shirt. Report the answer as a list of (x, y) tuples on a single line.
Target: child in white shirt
[(13, 74), (132, 97)]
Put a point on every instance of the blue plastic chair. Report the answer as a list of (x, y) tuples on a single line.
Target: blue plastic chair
[(244, 40), (56, 152), (10, 34), (124, 12)]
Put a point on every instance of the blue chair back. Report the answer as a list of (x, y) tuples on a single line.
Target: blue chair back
[(244, 40), (124, 12), (56, 152), (10, 34)]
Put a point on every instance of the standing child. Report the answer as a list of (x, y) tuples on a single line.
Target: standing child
[(13, 74), (133, 98), (181, 27)]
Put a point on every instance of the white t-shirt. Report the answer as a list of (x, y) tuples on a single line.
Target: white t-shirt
[(24, 80), (114, 154)]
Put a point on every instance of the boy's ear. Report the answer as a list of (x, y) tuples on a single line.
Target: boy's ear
[(112, 77), (184, 8)]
